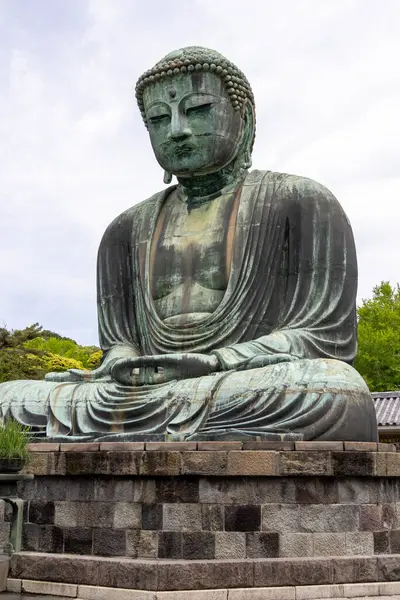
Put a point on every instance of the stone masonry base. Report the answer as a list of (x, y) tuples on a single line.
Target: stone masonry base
[(210, 501), (212, 521)]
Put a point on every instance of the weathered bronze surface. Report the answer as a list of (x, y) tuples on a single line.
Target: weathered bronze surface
[(226, 303)]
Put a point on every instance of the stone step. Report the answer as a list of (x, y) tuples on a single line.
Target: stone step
[(170, 575), (16, 590), (132, 595), (164, 446)]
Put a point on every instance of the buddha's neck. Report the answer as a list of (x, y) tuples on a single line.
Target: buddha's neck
[(197, 190)]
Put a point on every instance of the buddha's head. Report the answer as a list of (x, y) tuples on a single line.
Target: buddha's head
[(199, 111)]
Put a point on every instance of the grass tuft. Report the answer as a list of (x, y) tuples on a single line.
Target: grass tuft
[(14, 439)]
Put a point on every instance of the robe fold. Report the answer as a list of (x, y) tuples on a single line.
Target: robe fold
[(292, 286), (292, 290)]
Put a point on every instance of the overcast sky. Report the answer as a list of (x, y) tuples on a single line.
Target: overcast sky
[(74, 152)]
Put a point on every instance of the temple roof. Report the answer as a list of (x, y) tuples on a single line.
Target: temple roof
[(387, 406)]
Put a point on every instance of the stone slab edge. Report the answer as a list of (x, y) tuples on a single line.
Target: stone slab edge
[(203, 446), (169, 575), (87, 592), (172, 460)]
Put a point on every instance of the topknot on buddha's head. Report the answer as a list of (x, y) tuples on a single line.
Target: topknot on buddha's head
[(197, 58)]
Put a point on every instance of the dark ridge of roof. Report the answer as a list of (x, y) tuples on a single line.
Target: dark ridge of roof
[(393, 394), (387, 406)]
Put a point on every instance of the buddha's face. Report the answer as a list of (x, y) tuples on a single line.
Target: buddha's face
[(193, 127)]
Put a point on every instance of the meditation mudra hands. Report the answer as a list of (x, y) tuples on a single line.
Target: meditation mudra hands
[(144, 370), (148, 370)]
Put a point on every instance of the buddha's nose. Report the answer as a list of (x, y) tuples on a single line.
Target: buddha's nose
[(179, 127)]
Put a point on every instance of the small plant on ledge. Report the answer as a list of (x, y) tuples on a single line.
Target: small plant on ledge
[(14, 440)]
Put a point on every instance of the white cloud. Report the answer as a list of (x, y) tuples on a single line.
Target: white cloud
[(74, 152)]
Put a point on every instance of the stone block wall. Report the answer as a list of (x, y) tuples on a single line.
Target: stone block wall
[(213, 501), (5, 518)]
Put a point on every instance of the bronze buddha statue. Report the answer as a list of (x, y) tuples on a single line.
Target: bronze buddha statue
[(226, 303)]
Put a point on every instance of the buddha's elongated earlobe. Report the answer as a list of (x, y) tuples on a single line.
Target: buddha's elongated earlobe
[(247, 161), (167, 177)]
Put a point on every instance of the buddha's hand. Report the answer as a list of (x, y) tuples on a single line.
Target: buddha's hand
[(148, 370), (265, 360), (76, 375)]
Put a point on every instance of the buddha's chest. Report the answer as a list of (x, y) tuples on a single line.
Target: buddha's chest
[(191, 249)]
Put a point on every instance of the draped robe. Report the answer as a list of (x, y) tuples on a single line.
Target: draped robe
[(292, 289)]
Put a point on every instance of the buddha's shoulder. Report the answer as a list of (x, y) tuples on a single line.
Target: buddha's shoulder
[(136, 213), (291, 188)]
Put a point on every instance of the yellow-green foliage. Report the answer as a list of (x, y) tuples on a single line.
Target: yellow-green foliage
[(63, 347), (48, 362), (94, 360), (55, 362), (36, 361)]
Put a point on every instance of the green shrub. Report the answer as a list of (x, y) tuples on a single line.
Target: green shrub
[(55, 362), (62, 347), (94, 360), (32, 352)]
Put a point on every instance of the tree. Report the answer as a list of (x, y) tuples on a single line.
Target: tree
[(378, 359), (17, 337), (16, 361)]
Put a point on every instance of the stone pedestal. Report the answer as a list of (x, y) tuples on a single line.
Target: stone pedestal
[(211, 515)]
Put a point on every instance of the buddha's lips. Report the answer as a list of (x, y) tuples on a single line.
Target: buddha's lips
[(181, 149)]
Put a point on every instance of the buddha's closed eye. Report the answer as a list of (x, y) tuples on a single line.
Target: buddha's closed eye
[(201, 108), (159, 119)]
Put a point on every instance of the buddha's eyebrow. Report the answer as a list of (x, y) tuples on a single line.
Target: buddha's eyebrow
[(157, 103), (205, 97), (193, 93)]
